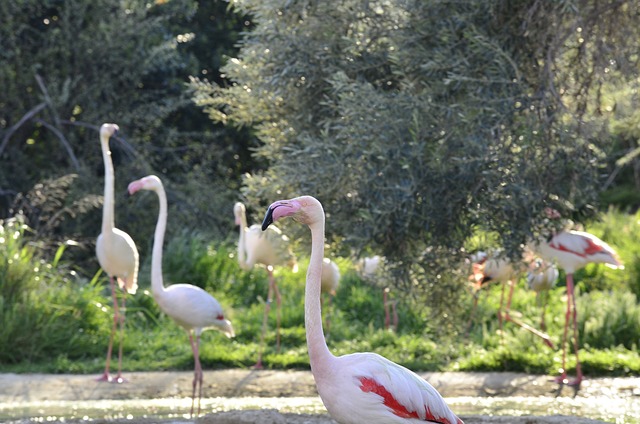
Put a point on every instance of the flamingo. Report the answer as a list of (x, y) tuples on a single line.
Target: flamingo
[(116, 252), (369, 269), (573, 250), (359, 388), (497, 268), (189, 306), (270, 249), (541, 278), (329, 284)]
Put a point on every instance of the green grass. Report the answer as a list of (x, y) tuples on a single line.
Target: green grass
[(56, 322)]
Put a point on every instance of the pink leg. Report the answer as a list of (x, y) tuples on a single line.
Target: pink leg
[(500, 314), (265, 317), (278, 313), (197, 375), (121, 316), (578, 379), (105, 376), (328, 315), (562, 378), (387, 318), (545, 337), (395, 317)]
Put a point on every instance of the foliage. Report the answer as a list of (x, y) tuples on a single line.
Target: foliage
[(419, 123), (75, 317), (45, 310)]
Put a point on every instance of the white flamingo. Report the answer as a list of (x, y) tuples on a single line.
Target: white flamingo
[(329, 282), (573, 250), (270, 249), (189, 306), (360, 388), (116, 252)]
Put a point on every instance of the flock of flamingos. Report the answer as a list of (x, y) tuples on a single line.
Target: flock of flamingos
[(359, 388)]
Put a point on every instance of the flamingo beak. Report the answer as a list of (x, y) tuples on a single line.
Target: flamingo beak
[(268, 218)]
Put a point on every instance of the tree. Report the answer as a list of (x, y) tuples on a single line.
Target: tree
[(418, 124), (69, 66)]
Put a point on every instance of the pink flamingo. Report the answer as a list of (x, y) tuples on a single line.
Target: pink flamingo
[(270, 249), (329, 284), (495, 268), (360, 388), (116, 252), (573, 250), (189, 306)]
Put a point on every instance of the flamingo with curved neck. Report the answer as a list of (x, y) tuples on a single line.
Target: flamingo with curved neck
[(189, 306), (116, 252), (360, 388)]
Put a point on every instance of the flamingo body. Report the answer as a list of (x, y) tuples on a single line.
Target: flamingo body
[(542, 276), (189, 306), (330, 277), (116, 252), (360, 388), (573, 250)]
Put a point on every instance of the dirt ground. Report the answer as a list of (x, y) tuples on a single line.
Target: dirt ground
[(28, 388)]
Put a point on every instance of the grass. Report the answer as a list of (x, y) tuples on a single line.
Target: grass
[(56, 322)]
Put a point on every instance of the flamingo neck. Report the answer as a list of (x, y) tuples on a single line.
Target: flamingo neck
[(320, 357), (109, 199), (157, 285), (242, 241)]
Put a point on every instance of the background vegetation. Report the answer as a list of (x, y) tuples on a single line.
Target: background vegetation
[(427, 129)]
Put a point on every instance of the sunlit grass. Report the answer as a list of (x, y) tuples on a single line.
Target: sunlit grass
[(69, 319)]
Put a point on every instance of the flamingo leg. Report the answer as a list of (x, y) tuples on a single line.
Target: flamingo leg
[(385, 303), (121, 316), (105, 375), (278, 313), (562, 378), (267, 309), (197, 374), (572, 299), (545, 337), (500, 313), (395, 316)]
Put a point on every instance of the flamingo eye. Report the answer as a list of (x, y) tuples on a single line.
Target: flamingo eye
[(220, 317)]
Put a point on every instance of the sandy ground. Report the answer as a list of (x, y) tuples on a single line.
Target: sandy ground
[(16, 389)]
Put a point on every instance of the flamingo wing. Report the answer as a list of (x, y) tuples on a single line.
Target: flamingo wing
[(402, 392), (586, 246)]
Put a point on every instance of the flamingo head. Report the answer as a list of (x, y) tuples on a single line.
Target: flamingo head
[(150, 182), (304, 209), (107, 130), (224, 325), (238, 211)]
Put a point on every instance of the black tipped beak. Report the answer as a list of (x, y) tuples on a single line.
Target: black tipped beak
[(268, 219)]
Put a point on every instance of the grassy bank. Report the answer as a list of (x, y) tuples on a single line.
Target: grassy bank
[(55, 321)]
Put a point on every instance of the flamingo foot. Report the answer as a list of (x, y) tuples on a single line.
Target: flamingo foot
[(549, 343), (561, 379), (575, 382), (119, 380), (105, 377), (258, 365)]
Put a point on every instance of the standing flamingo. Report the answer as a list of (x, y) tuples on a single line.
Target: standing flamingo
[(573, 250), (189, 306), (329, 284), (116, 252), (496, 268), (360, 388), (270, 249), (541, 278)]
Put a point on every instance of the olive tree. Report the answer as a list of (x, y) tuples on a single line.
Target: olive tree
[(419, 124)]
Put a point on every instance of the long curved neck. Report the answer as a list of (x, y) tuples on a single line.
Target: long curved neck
[(242, 242), (157, 285), (109, 200), (319, 355)]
